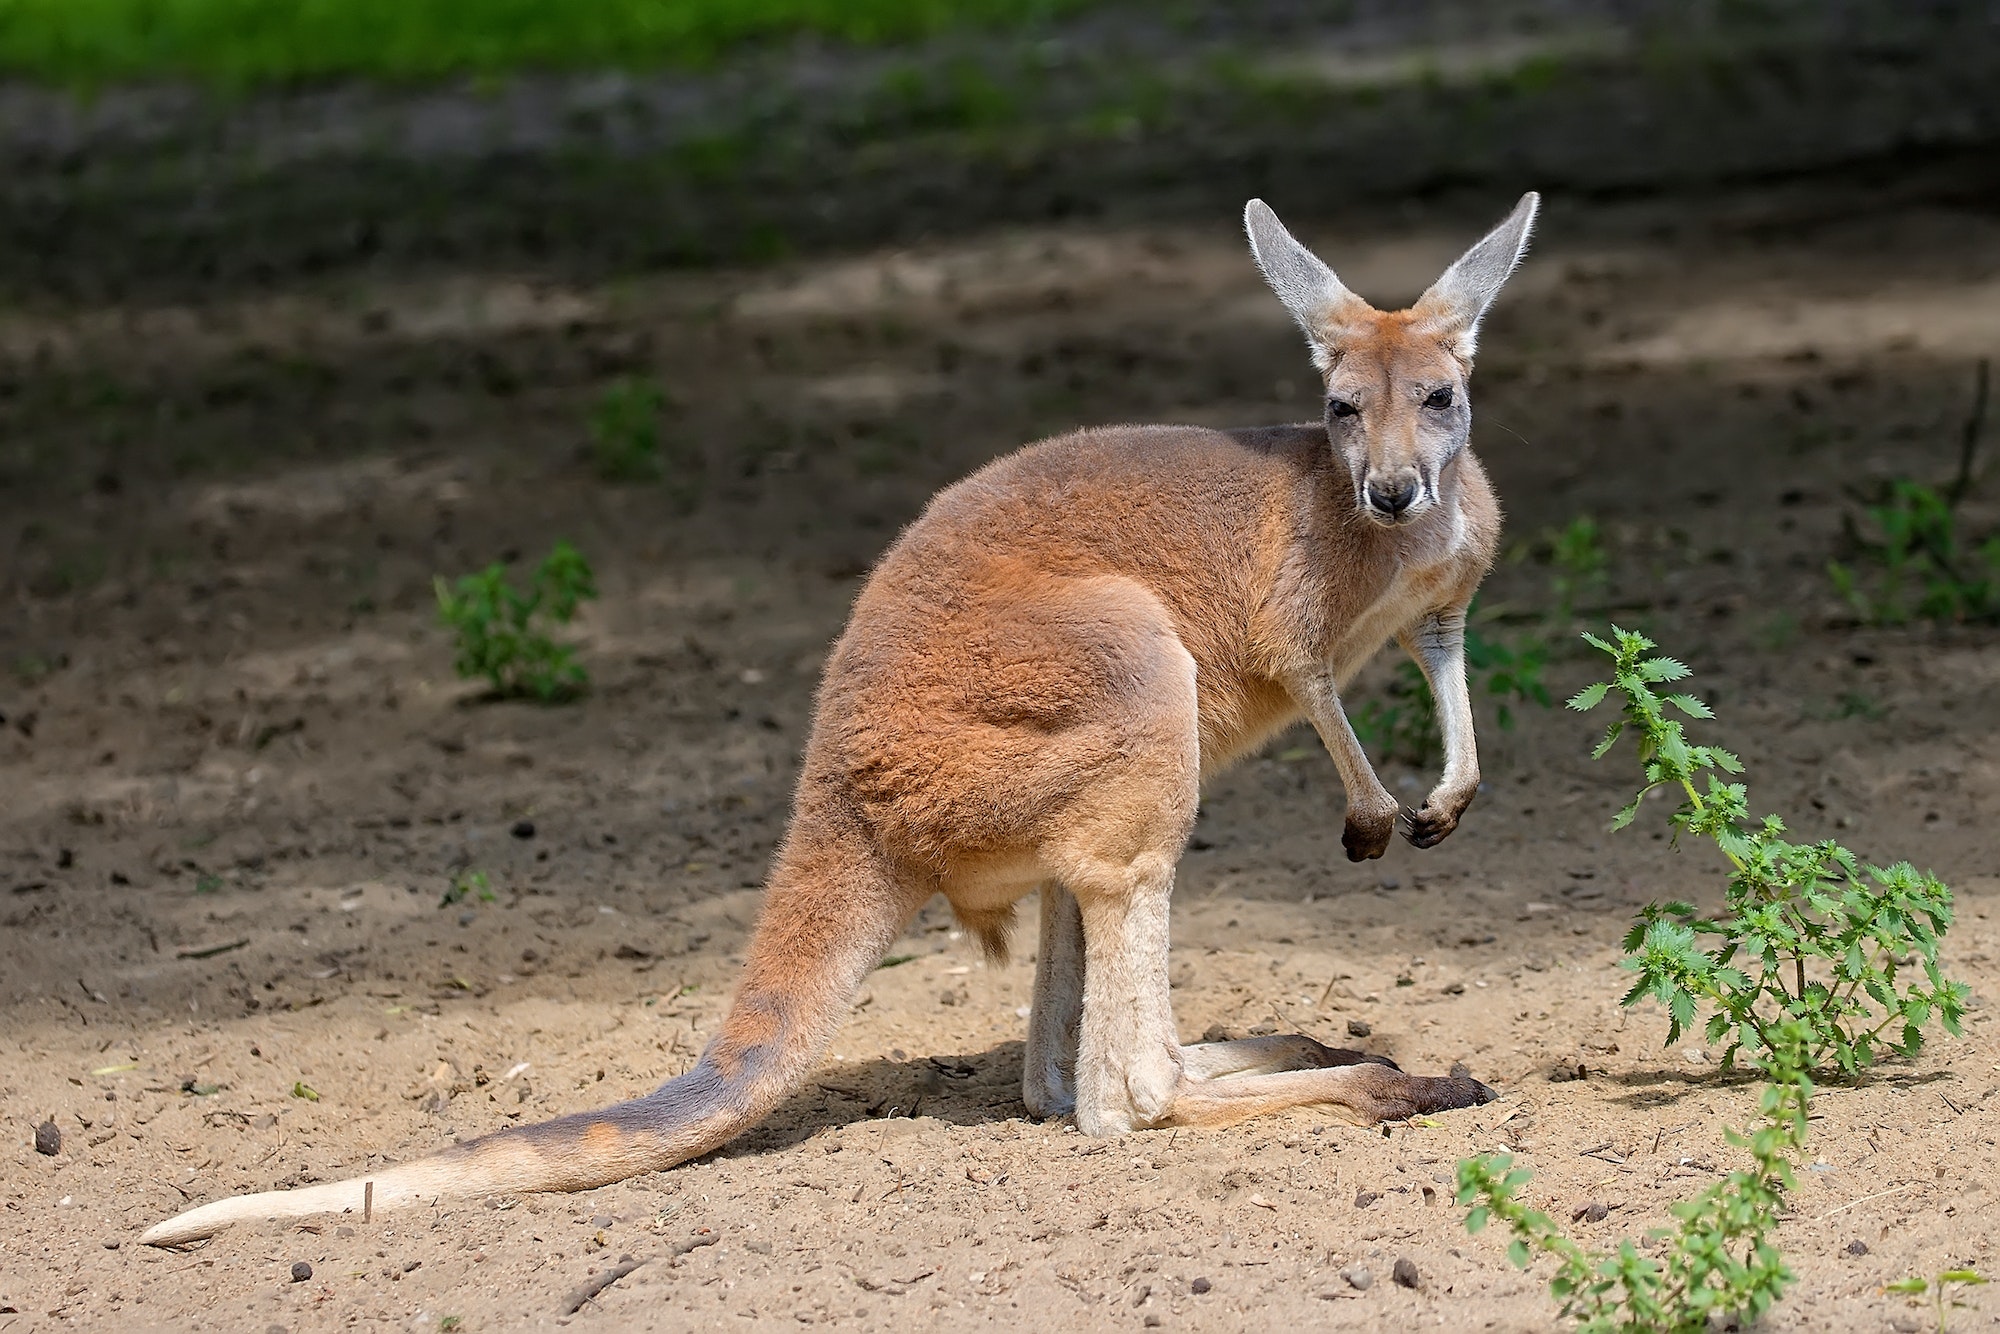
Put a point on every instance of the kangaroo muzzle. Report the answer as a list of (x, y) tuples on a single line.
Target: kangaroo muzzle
[(1392, 497)]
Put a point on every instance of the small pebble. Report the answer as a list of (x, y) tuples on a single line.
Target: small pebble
[(111, 1243), (1358, 1278), (1359, 1028), (1857, 1247), (1406, 1275), (48, 1139), (301, 1271), (523, 829), (1200, 1286)]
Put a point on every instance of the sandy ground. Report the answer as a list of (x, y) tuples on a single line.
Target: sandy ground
[(239, 778)]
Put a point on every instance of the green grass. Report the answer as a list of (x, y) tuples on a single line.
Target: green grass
[(246, 43)]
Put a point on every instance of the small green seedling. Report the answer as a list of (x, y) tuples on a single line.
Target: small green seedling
[(1940, 1289), (1406, 725), (1581, 563), (1507, 670), (630, 442), (1916, 566), (301, 1089), (468, 884), (1807, 933), (502, 633), (625, 431), (1919, 567), (1510, 674)]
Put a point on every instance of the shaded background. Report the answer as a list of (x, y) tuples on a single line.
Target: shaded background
[(293, 321)]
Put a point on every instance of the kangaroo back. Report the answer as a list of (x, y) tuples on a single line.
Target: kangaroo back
[(829, 915)]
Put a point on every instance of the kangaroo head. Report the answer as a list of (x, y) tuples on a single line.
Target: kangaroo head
[(1396, 406)]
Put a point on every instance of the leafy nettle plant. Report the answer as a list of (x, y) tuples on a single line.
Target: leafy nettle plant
[(502, 631), (1809, 964), (1719, 1258), (1808, 932)]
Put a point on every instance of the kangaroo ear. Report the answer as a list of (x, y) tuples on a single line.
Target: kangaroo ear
[(1458, 301), (1307, 287)]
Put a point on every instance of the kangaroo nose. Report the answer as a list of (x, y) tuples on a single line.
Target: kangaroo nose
[(1392, 497)]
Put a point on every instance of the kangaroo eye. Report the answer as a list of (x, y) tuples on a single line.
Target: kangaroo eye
[(1340, 407), (1440, 399)]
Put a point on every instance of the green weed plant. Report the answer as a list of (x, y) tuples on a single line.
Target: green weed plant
[(1804, 969), (1915, 566), (1507, 669), (1807, 931), (630, 442), (625, 431), (1405, 724), (1580, 563), (468, 884), (1718, 1259), (1942, 1289), (503, 632)]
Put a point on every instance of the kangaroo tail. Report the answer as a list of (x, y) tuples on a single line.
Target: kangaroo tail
[(830, 913)]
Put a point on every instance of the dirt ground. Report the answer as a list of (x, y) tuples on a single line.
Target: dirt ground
[(240, 776)]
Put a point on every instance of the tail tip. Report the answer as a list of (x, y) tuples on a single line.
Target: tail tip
[(179, 1231)]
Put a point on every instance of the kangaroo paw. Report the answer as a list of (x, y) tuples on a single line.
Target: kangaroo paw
[(1428, 827), (1366, 835)]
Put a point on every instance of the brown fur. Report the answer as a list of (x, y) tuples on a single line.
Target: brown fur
[(1030, 689)]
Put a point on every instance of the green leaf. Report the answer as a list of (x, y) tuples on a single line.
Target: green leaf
[(1590, 697), (1662, 669), (1517, 1251)]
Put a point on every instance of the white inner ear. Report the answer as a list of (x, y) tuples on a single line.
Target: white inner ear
[(1306, 287), (1458, 300)]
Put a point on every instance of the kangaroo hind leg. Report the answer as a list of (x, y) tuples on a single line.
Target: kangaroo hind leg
[(1367, 1091), (1048, 1068), (1271, 1055)]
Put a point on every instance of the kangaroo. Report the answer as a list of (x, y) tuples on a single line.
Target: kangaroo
[(1030, 689)]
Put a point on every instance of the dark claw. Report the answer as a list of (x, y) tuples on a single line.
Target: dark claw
[(1427, 828)]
